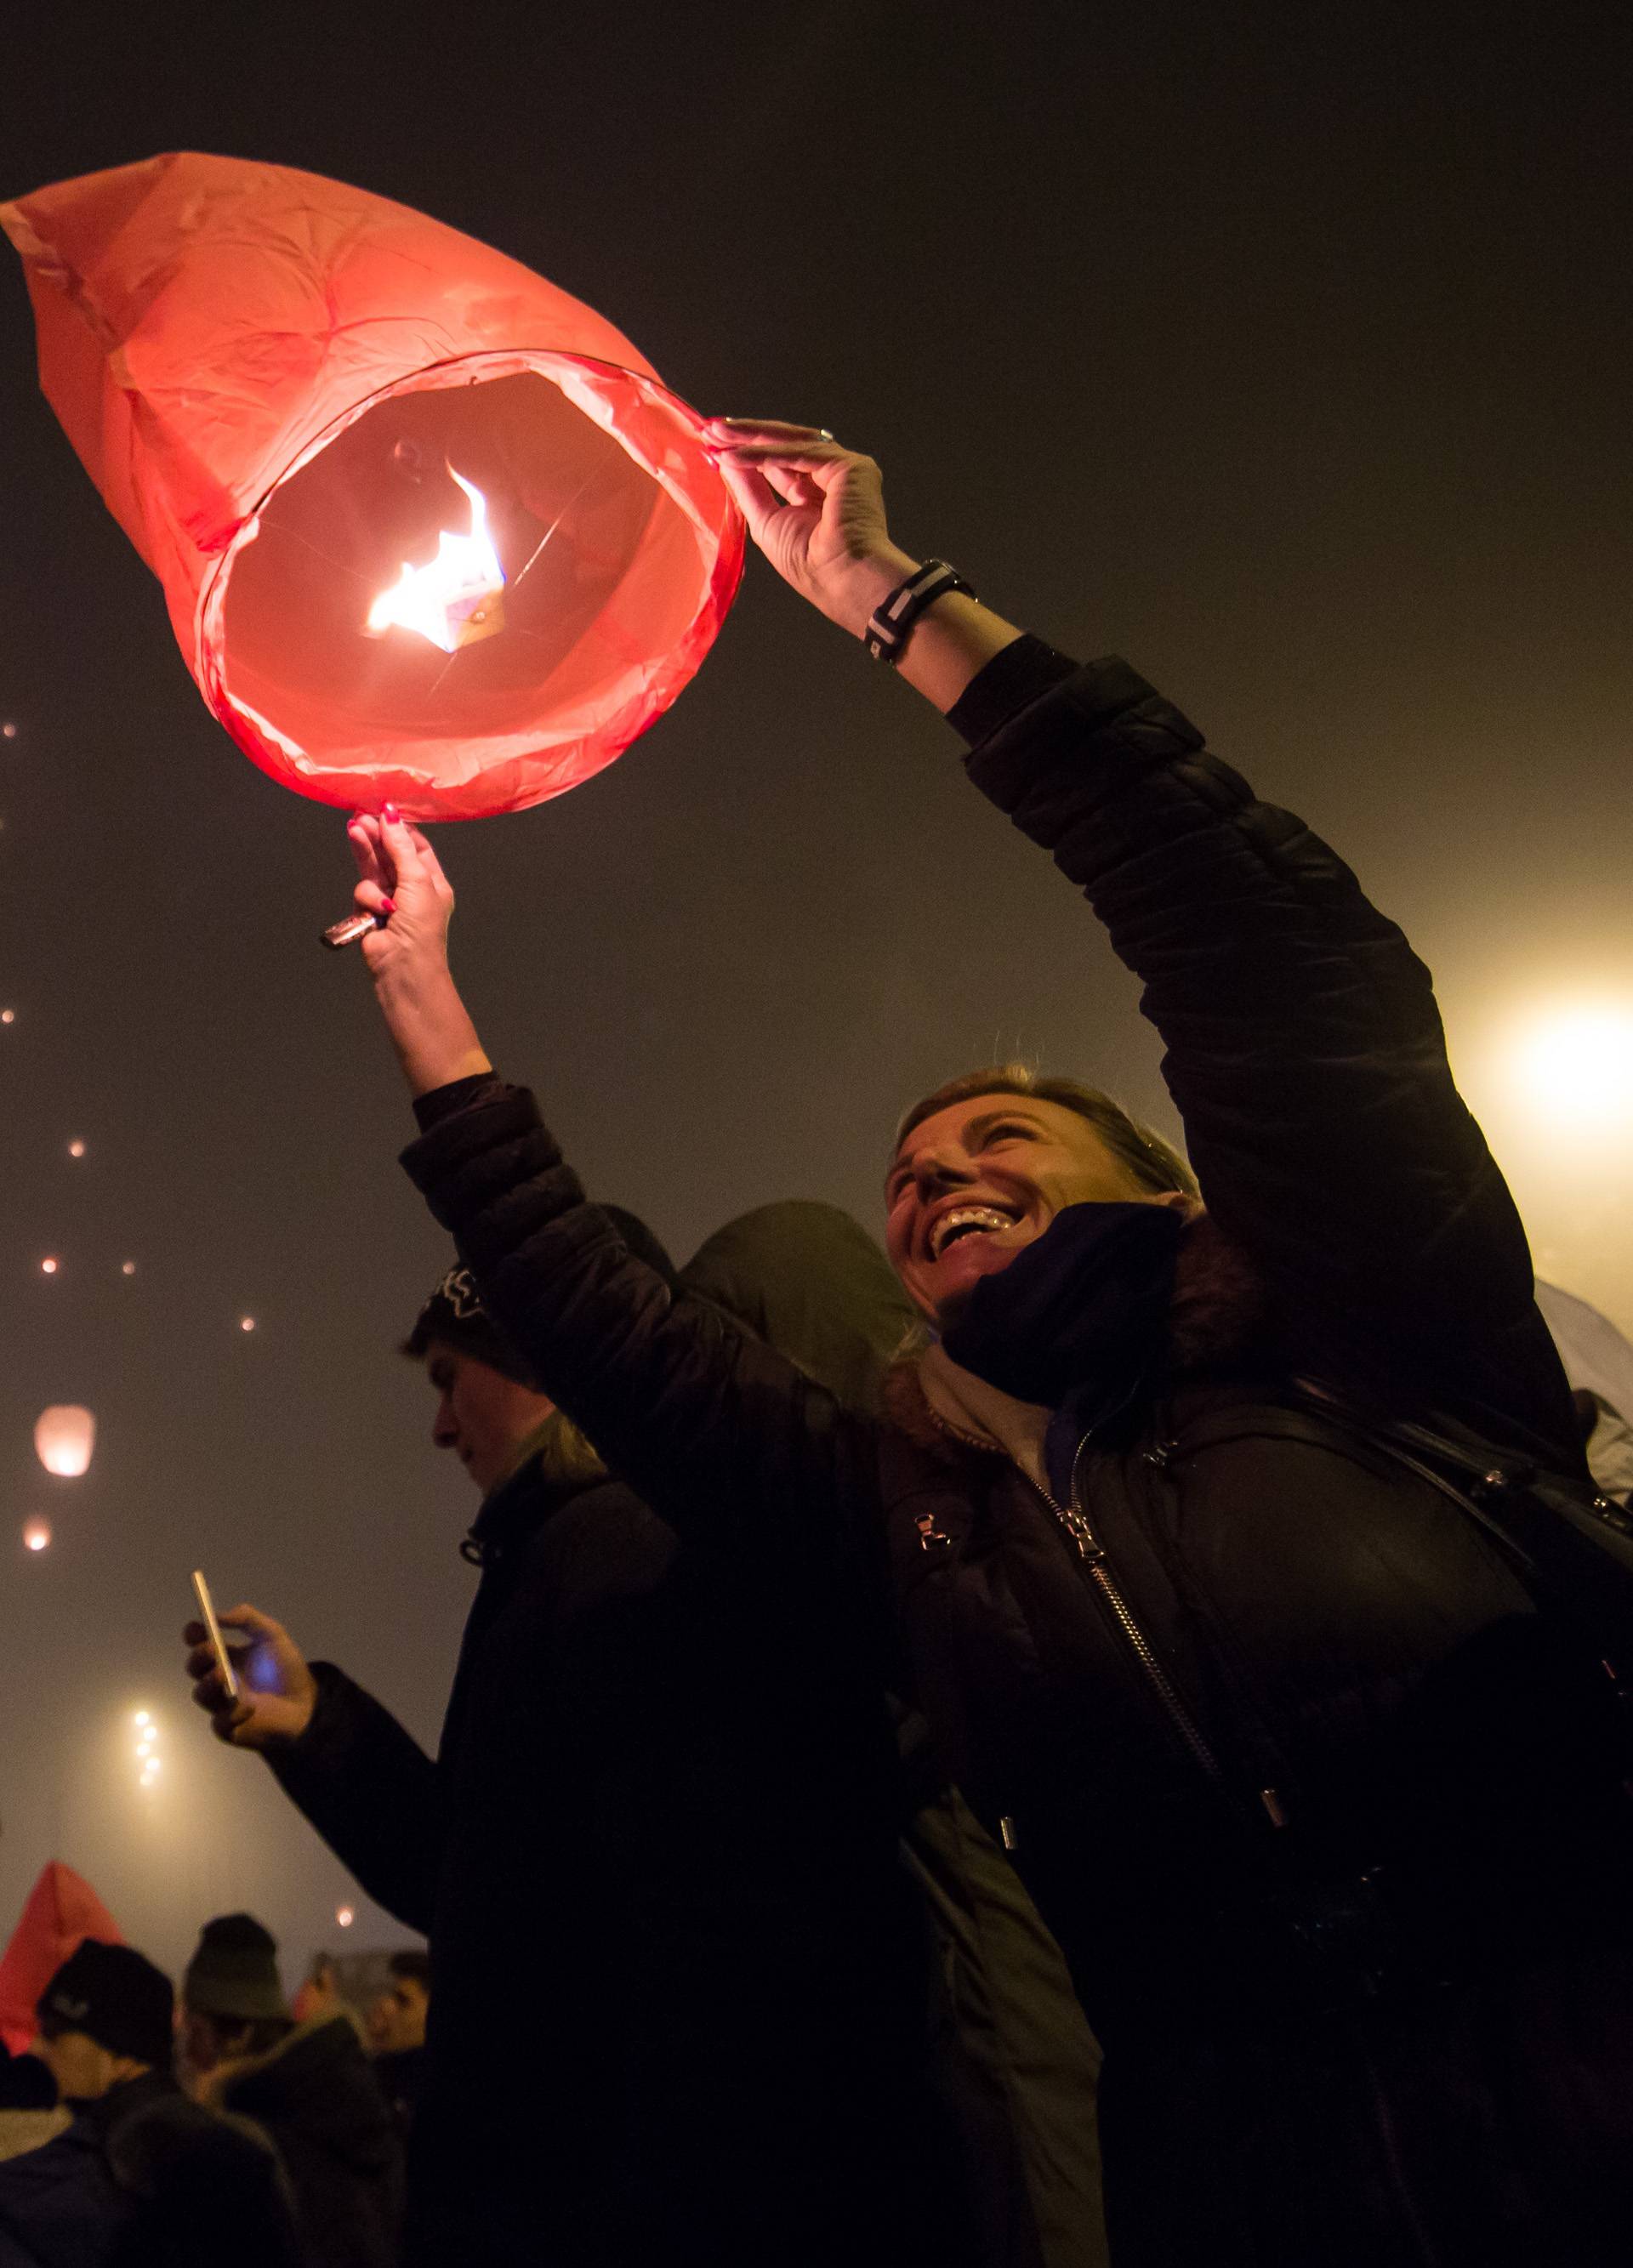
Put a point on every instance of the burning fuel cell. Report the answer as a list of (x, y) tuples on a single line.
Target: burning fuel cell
[(454, 599)]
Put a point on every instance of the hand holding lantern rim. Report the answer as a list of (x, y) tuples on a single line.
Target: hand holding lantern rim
[(816, 511), (400, 878)]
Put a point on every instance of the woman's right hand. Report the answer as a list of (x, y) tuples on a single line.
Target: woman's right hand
[(816, 510), (401, 882), (276, 1692)]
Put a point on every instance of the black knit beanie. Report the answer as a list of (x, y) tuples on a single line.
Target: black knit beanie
[(115, 1996), (455, 1314), (234, 1971)]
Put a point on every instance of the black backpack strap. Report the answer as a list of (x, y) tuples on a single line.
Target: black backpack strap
[(1571, 1546)]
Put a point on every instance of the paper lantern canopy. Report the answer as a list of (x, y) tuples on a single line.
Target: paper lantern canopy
[(430, 530), (65, 1437)]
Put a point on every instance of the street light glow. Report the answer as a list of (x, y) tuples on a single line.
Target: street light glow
[(1575, 1066)]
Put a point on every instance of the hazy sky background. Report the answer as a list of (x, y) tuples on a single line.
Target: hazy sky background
[(1282, 350)]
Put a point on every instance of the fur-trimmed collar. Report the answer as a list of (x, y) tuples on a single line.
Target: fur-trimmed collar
[(1215, 1319)]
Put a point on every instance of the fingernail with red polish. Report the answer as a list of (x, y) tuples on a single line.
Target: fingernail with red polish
[(388, 905), (389, 810)]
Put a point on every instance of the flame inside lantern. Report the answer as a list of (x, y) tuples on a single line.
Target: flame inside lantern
[(458, 597)]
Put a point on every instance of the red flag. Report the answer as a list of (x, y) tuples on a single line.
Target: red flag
[(285, 390), (62, 1911)]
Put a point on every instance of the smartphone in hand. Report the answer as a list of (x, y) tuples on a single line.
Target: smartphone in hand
[(217, 1645)]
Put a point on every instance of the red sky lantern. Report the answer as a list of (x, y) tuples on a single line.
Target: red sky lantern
[(62, 1911), (430, 530)]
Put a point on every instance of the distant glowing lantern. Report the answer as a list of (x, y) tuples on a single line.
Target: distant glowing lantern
[(76, 1149), (65, 1437), (128, 1268), (8, 1015), (344, 1917), (8, 732), (430, 530), (143, 1717), (37, 1535), (48, 1267), (247, 1322)]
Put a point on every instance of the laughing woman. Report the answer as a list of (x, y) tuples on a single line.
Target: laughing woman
[(1325, 1812)]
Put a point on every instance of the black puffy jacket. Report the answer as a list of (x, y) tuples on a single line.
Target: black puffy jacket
[(1400, 2027), (674, 2018)]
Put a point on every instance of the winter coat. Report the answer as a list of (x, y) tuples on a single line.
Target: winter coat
[(1007, 2052), (675, 2006), (316, 2096), (1397, 2029), (143, 2178)]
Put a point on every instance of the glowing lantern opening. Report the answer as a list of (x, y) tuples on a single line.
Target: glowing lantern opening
[(65, 1437), (37, 1535), (271, 376)]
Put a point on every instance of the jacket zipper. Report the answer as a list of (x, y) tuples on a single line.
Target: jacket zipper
[(1072, 1518), (1075, 1521)]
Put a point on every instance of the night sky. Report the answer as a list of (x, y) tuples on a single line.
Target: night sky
[(1283, 350)]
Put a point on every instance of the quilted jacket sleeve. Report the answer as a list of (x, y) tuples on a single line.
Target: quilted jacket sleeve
[(1305, 1056), (709, 1425), (373, 1794)]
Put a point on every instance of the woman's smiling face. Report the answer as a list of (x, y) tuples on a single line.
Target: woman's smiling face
[(977, 1182)]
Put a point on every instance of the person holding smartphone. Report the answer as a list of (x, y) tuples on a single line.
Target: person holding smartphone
[(677, 1972)]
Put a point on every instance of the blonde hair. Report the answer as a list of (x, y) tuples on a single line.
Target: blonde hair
[(1152, 1163)]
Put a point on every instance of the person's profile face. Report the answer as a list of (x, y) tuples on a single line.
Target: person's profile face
[(481, 1414), (199, 2045), (976, 1183), (409, 2002), (81, 2066)]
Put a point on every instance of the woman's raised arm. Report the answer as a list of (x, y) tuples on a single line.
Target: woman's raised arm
[(708, 1424)]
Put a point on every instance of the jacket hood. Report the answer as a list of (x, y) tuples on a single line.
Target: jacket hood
[(808, 1280), (318, 2082)]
